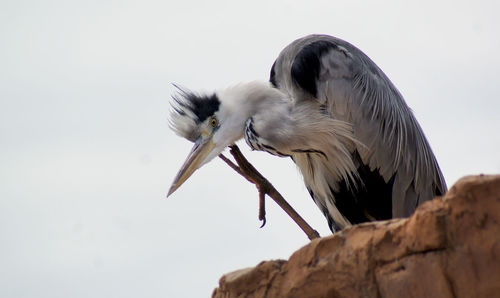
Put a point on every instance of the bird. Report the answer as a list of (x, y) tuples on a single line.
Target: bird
[(361, 152)]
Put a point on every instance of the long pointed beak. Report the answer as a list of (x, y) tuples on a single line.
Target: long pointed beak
[(195, 159)]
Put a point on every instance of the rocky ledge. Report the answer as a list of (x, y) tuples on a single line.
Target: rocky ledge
[(450, 247)]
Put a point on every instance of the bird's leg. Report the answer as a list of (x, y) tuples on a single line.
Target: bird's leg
[(251, 178), (248, 171), (262, 207)]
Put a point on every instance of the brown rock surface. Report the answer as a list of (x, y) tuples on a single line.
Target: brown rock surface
[(450, 247)]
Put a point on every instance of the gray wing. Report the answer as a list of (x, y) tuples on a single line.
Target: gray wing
[(393, 150)]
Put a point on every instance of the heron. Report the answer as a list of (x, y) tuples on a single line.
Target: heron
[(361, 152)]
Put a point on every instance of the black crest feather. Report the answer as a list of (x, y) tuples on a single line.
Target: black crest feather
[(202, 106), (189, 110)]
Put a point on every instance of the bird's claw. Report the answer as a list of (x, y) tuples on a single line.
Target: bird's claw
[(263, 222)]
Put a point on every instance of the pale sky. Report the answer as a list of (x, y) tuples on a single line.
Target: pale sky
[(87, 156)]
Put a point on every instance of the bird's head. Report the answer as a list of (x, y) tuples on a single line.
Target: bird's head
[(213, 121)]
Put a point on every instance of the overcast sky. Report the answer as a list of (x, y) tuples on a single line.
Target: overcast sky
[(86, 155)]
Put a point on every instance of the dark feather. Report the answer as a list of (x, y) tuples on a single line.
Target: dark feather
[(306, 65)]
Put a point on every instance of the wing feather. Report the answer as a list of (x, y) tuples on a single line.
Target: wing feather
[(352, 88)]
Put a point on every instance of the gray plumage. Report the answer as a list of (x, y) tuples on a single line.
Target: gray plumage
[(360, 150)]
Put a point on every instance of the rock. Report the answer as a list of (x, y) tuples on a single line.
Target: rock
[(450, 247)]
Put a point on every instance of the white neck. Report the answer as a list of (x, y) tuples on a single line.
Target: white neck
[(242, 101), (248, 96)]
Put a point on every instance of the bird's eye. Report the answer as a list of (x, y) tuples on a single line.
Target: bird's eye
[(214, 122)]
